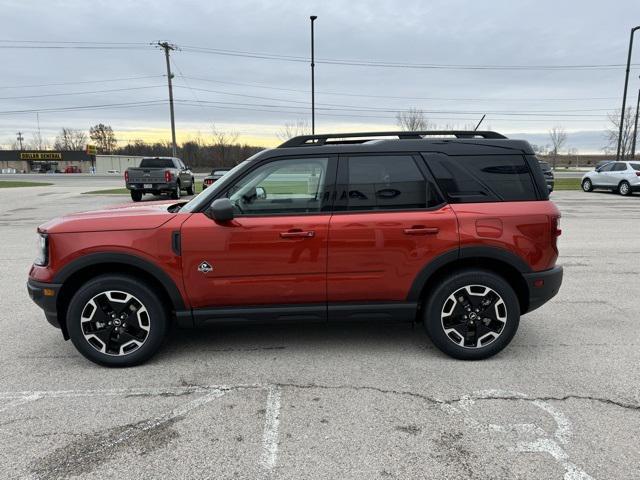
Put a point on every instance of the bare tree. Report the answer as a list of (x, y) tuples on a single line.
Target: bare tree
[(293, 129), (102, 135), (558, 136), (39, 142), (70, 139), (223, 142), (412, 120), (613, 132)]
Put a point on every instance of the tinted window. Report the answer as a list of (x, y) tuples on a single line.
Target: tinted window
[(281, 187), (483, 178), (619, 167), (156, 163), (607, 168), (635, 166), (391, 182)]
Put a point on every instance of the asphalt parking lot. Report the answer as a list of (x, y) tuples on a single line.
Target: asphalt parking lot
[(348, 402)]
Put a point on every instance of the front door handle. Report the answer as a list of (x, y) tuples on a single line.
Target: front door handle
[(296, 233), (421, 230)]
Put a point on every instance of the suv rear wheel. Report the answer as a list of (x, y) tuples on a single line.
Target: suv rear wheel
[(190, 188), (624, 188), (472, 314), (116, 321)]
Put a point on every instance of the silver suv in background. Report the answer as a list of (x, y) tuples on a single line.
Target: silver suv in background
[(621, 177)]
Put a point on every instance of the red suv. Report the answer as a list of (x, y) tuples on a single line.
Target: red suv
[(453, 229)]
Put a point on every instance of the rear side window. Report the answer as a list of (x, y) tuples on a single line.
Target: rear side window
[(387, 182), (156, 163), (619, 167), (483, 178), (635, 166)]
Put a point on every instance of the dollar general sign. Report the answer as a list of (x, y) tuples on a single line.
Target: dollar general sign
[(41, 156)]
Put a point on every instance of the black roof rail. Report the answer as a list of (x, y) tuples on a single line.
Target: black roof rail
[(361, 137)]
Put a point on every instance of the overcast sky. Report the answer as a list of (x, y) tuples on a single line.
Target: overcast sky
[(256, 96)]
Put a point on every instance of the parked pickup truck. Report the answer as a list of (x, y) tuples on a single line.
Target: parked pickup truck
[(158, 175)]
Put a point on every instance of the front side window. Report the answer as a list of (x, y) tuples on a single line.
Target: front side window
[(282, 187), (387, 182), (607, 168)]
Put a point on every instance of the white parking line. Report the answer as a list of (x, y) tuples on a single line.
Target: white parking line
[(270, 435)]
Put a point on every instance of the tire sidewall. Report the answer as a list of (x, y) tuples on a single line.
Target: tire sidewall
[(435, 303), (628, 188), (157, 316), (586, 182)]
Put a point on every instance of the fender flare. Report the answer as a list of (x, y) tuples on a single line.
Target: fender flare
[(480, 252), (103, 258)]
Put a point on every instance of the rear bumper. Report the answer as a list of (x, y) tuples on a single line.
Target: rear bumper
[(162, 187), (45, 295), (543, 286)]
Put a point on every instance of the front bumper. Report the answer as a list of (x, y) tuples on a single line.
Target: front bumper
[(543, 286), (45, 295)]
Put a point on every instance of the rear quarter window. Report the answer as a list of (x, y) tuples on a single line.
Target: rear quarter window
[(635, 166), (483, 178)]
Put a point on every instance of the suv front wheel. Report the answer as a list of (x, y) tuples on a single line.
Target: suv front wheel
[(472, 314), (116, 321)]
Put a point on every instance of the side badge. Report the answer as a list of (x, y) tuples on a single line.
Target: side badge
[(204, 267)]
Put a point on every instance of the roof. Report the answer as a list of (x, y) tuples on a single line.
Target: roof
[(451, 142)]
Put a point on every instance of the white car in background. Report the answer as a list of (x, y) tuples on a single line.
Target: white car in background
[(621, 177)]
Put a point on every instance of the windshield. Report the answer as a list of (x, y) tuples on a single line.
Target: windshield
[(204, 196), (156, 163)]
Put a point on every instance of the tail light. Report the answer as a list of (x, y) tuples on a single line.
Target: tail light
[(637, 174), (126, 175), (208, 181), (167, 176), (556, 231)]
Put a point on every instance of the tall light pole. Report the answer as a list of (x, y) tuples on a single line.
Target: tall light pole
[(635, 128), (624, 95), (166, 46), (313, 80)]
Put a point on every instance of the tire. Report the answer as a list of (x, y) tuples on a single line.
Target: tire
[(587, 186), (190, 188), (491, 331), (175, 194), (136, 196), (131, 338), (624, 188)]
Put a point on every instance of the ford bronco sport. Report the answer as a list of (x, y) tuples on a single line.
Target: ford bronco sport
[(453, 229)]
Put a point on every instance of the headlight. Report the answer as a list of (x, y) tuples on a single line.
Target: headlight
[(42, 257)]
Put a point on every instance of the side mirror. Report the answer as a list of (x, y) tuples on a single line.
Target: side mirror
[(261, 193), (221, 210)]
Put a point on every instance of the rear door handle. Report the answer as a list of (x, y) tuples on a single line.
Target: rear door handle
[(298, 234), (421, 230)]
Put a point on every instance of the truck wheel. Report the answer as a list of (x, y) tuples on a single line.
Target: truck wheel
[(116, 321), (472, 314), (190, 188), (175, 194), (136, 196)]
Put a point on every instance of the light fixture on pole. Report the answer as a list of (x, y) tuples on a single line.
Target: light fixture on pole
[(313, 83), (624, 95)]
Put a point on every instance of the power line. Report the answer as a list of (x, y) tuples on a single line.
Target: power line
[(104, 80), (399, 97), (110, 90), (49, 44)]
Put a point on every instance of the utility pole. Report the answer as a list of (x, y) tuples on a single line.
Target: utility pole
[(313, 82), (624, 95), (20, 138), (635, 129), (166, 46)]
